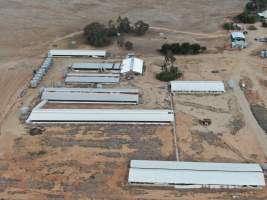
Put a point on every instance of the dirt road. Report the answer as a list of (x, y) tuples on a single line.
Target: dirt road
[(244, 65), (195, 34)]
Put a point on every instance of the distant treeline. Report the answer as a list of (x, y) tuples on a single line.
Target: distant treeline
[(98, 34)]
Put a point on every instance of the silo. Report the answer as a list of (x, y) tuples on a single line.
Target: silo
[(34, 83), (42, 71), (39, 76), (23, 112), (264, 54), (44, 68)]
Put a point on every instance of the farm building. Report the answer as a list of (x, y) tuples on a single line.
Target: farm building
[(238, 40), (94, 90), (132, 64), (101, 116), (263, 15), (76, 53), (195, 174), (93, 75), (185, 87), (96, 66), (92, 78), (85, 97)]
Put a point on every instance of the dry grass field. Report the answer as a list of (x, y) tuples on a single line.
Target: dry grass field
[(91, 161)]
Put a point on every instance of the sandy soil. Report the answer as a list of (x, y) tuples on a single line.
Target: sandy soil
[(91, 162)]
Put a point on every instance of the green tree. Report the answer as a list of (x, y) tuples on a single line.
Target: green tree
[(140, 27), (228, 26), (112, 29), (124, 25), (195, 48), (169, 72), (176, 48), (97, 34), (185, 48)]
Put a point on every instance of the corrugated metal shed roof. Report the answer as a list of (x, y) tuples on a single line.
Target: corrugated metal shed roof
[(132, 64), (93, 75), (100, 115), (94, 90), (197, 86), (95, 66), (181, 173), (263, 14), (93, 79), (90, 97), (202, 166), (238, 34), (68, 52)]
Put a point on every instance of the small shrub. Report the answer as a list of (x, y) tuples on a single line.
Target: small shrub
[(264, 24), (195, 48), (228, 26), (140, 28), (247, 18), (128, 45)]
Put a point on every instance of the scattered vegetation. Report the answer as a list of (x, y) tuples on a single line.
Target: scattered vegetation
[(169, 72), (249, 15), (182, 49), (101, 35), (97, 34), (229, 26), (37, 154)]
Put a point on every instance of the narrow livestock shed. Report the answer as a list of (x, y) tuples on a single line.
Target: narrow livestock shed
[(85, 97), (76, 53), (106, 116), (94, 90), (195, 174), (73, 78), (190, 87), (96, 66)]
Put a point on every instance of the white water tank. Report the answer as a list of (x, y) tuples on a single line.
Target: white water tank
[(34, 83)]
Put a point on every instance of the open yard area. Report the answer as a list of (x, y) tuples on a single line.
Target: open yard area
[(91, 161)]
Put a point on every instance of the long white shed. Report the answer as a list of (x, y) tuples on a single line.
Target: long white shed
[(213, 87), (120, 116), (96, 66), (195, 174), (93, 75), (83, 97), (76, 53), (94, 90), (91, 79)]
